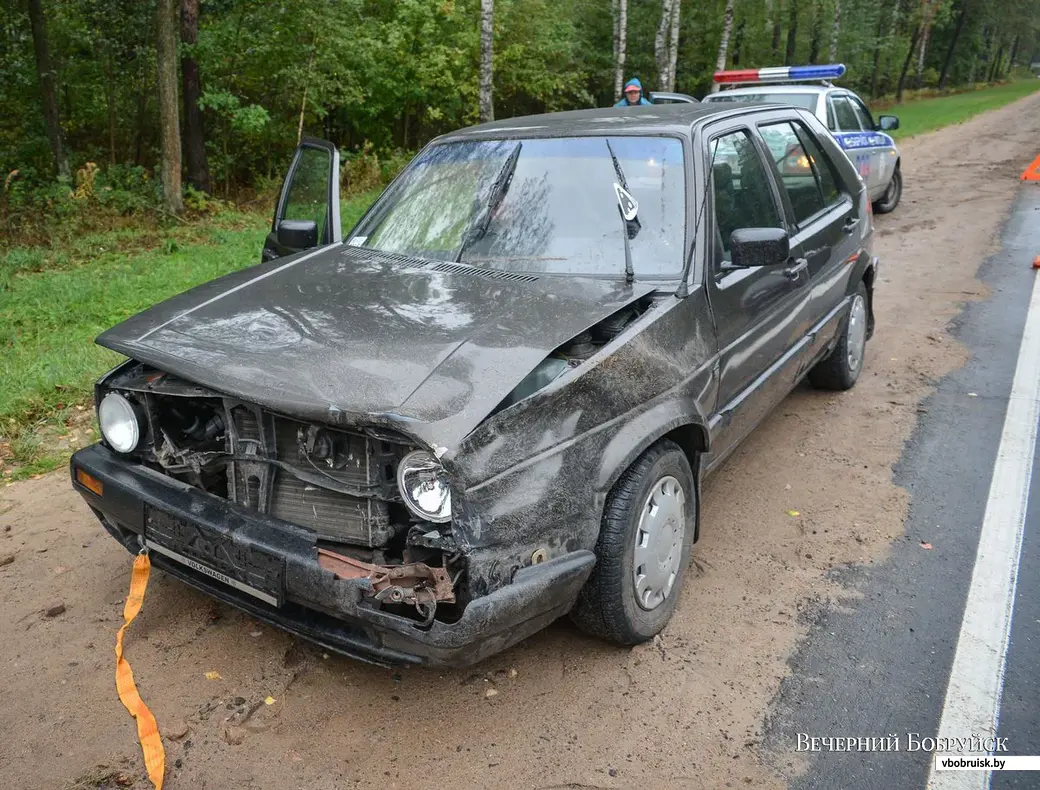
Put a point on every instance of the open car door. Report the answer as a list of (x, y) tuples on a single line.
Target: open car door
[(307, 214)]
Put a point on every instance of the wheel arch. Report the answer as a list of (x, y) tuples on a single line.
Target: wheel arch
[(688, 431)]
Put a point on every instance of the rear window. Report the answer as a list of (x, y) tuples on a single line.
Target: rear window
[(805, 100)]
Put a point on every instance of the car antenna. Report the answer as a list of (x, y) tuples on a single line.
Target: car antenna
[(684, 287), (629, 209)]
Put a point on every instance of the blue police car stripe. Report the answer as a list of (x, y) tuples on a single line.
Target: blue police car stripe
[(848, 140)]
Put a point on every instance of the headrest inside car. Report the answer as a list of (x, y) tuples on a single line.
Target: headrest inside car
[(723, 175)]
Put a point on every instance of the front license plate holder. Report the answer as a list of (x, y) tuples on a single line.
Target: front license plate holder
[(246, 568)]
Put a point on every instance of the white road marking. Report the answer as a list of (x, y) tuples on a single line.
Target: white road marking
[(977, 678)]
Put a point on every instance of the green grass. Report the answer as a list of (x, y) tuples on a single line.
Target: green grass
[(53, 303), (924, 115)]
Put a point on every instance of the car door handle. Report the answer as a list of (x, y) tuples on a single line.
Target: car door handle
[(794, 271), (850, 224)]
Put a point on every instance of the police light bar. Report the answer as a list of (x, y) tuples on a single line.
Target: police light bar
[(781, 74)]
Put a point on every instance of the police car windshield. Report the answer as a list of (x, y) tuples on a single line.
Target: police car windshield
[(806, 100), (559, 214)]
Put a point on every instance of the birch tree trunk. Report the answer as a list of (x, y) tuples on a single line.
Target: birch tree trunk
[(45, 72), (169, 121), (661, 42), (832, 53), (673, 49), (620, 9), (727, 30), (487, 40), (925, 33)]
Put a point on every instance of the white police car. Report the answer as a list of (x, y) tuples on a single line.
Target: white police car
[(872, 151)]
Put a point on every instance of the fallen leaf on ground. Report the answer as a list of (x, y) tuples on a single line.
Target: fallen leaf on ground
[(491, 692), (270, 701), (793, 513), (213, 676)]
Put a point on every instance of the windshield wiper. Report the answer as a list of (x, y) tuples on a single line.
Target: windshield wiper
[(498, 191), (628, 208)]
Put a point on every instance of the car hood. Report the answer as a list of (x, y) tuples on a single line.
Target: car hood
[(345, 335)]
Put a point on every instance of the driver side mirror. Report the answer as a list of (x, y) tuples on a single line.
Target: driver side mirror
[(754, 247), (299, 234), (887, 123)]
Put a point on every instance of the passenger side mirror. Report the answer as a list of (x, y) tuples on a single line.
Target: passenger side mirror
[(298, 234), (887, 123), (754, 247)]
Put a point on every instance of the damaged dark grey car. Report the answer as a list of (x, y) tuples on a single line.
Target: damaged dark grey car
[(493, 402)]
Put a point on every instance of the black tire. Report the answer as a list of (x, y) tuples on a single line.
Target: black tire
[(836, 371), (607, 606), (890, 199)]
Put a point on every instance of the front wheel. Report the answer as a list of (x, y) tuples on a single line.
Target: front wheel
[(643, 549), (890, 199), (840, 369)]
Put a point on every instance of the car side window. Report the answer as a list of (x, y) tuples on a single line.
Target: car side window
[(743, 197), (862, 113), (845, 115), (806, 173), (832, 122)]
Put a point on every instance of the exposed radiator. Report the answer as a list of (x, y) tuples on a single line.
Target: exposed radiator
[(333, 515)]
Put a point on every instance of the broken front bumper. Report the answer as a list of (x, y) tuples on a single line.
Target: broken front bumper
[(277, 577)]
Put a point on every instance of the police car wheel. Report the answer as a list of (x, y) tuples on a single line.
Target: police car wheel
[(890, 199)]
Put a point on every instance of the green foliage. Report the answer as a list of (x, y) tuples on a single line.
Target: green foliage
[(379, 77)]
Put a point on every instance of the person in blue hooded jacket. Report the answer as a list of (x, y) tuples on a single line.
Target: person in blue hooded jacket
[(633, 94)]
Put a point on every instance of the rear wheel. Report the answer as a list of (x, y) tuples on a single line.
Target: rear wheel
[(890, 199), (643, 549), (840, 369)]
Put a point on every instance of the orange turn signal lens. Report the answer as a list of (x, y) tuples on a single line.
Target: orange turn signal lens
[(90, 482)]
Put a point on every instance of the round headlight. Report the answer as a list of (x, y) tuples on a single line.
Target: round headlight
[(424, 487), (118, 423)]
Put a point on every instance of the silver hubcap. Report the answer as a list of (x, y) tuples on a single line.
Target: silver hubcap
[(659, 537), (857, 332)]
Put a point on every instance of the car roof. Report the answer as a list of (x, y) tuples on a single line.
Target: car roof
[(663, 119)]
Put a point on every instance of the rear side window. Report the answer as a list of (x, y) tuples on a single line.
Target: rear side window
[(743, 197), (806, 173)]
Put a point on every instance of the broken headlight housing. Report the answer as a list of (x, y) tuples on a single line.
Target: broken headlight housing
[(424, 486)]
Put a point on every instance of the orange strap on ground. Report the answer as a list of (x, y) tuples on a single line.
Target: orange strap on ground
[(147, 728)]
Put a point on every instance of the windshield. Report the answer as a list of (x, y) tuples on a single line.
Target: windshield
[(555, 208), (806, 100)]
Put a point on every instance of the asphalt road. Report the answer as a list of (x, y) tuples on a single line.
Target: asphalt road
[(880, 665), (813, 608)]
